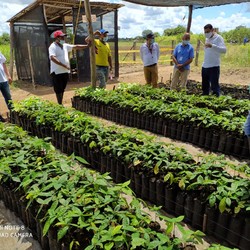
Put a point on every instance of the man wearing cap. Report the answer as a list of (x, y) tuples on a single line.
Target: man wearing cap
[(59, 62), (103, 57), (150, 54)]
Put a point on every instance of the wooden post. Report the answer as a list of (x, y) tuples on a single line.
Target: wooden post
[(172, 47), (190, 7), (92, 48), (31, 64), (11, 49), (134, 53), (197, 52)]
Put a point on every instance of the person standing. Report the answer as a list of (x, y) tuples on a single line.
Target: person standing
[(103, 59), (247, 129), (214, 47), (5, 80), (59, 62), (150, 53), (182, 57)]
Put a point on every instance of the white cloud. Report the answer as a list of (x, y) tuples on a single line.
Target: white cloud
[(133, 19)]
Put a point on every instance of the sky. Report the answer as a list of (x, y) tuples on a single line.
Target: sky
[(133, 18)]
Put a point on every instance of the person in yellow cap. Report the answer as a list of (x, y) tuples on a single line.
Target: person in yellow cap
[(102, 56), (59, 62)]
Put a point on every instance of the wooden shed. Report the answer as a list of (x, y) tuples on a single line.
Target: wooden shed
[(30, 31)]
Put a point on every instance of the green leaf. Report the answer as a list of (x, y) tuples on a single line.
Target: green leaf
[(222, 205), (62, 232), (108, 246), (82, 160), (116, 230)]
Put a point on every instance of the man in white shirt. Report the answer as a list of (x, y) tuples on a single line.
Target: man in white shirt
[(5, 80), (214, 47), (59, 62), (150, 54)]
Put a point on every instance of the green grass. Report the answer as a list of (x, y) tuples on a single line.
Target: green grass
[(5, 49), (236, 56)]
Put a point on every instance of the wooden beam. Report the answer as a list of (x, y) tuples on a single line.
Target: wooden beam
[(92, 48), (190, 13), (11, 48)]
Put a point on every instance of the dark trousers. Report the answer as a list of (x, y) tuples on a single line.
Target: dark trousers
[(59, 83), (210, 76)]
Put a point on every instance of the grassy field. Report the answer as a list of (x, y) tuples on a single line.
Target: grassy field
[(238, 55)]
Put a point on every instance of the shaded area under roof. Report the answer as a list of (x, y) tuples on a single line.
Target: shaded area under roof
[(175, 3), (55, 9)]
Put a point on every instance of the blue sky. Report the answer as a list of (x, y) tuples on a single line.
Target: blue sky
[(133, 19)]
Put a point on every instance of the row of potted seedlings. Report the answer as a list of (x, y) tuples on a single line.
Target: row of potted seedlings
[(68, 206), (161, 173), (210, 123)]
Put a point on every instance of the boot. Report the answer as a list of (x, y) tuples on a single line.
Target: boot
[(59, 97)]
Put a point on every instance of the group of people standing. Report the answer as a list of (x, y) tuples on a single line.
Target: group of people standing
[(182, 57)]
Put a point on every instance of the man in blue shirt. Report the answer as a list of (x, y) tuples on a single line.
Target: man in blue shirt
[(182, 57)]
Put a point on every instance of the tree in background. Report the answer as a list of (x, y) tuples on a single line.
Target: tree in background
[(174, 31), (4, 38), (237, 35)]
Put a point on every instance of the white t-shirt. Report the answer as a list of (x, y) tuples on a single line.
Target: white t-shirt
[(2, 73), (62, 54)]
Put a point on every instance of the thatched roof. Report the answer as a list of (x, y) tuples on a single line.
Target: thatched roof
[(195, 3), (55, 9)]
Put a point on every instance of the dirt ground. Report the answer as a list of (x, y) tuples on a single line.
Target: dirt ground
[(129, 74)]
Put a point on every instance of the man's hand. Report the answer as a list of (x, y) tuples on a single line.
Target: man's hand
[(9, 79), (208, 45)]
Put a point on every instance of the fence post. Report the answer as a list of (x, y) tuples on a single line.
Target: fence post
[(197, 52), (172, 47), (134, 48)]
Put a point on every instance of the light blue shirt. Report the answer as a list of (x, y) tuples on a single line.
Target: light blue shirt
[(182, 53)]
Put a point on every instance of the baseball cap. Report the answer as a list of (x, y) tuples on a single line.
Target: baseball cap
[(103, 31), (150, 35), (58, 33)]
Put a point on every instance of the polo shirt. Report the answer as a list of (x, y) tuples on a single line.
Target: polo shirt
[(182, 53), (103, 52)]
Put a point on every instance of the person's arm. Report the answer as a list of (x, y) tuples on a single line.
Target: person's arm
[(96, 33), (110, 63), (56, 61), (82, 46), (219, 46), (6, 71)]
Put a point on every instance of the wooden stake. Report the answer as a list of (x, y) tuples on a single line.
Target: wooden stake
[(92, 48), (31, 64)]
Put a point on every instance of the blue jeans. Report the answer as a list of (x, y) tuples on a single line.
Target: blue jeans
[(5, 89), (247, 126), (210, 76), (102, 75)]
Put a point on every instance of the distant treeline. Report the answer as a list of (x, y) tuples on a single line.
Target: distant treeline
[(236, 35)]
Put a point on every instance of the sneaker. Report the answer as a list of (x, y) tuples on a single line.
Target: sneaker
[(2, 119)]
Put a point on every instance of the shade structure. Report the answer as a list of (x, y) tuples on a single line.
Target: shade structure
[(176, 3)]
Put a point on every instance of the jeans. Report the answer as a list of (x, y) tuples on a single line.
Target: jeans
[(102, 75), (247, 125), (5, 89), (210, 76)]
